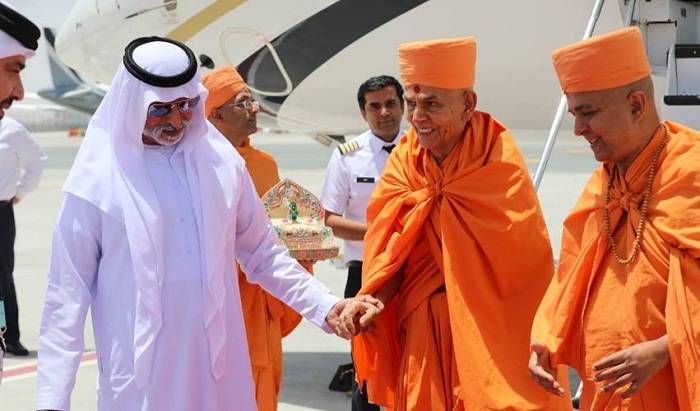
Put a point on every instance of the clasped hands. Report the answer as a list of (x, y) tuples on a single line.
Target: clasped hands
[(352, 316)]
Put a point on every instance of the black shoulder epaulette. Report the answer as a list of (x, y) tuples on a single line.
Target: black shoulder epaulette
[(349, 147)]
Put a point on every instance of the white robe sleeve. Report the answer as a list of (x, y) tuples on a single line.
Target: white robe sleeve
[(73, 267), (269, 264), (32, 158), (335, 191)]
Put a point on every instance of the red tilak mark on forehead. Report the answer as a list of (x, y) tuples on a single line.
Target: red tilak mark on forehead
[(416, 89)]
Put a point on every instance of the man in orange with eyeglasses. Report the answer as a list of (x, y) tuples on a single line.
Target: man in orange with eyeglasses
[(231, 109)]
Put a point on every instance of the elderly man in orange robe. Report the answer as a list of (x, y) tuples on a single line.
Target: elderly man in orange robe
[(624, 306), (231, 109), (456, 249)]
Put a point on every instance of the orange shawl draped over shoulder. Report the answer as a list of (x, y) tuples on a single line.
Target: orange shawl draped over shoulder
[(267, 319), (473, 226), (661, 286)]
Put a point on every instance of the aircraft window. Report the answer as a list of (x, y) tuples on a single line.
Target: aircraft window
[(206, 61), (170, 5)]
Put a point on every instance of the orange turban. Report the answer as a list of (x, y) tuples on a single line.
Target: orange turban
[(446, 63), (223, 84), (602, 62)]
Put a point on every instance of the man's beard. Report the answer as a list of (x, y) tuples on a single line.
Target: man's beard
[(7, 101), (157, 133)]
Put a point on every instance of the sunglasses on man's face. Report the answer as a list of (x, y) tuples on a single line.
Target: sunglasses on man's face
[(162, 109)]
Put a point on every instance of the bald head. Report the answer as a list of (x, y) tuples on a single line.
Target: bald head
[(644, 86), (639, 96)]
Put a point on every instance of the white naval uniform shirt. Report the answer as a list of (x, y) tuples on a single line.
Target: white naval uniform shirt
[(349, 182), (21, 160)]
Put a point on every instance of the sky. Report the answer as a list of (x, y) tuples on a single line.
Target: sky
[(44, 13)]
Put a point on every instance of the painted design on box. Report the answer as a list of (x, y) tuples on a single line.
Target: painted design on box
[(297, 216)]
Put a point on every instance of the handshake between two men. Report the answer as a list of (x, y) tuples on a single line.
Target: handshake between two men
[(352, 316)]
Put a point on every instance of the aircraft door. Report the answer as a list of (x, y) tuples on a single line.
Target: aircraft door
[(257, 60)]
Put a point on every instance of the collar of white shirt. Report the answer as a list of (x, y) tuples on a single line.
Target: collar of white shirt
[(377, 144)]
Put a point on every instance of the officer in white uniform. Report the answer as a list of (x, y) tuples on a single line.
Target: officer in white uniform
[(352, 174)]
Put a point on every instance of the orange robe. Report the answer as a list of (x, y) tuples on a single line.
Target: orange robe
[(470, 241), (267, 319), (596, 306)]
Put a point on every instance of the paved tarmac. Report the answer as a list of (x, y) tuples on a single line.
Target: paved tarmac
[(311, 356)]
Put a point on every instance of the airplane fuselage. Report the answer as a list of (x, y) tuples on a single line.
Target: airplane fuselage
[(305, 59)]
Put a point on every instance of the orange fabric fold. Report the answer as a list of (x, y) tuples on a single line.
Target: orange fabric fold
[(261, 166), (595, 306), (267, 319), (602, 62), (470, 241), (444, 63)]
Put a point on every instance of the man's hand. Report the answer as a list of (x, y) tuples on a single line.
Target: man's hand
[(541, 369), (16, 200), (353, 315), (633, 365)]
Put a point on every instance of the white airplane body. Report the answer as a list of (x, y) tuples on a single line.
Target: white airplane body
[(304, 59), (38, 114)]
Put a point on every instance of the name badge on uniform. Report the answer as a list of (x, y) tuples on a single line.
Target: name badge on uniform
[(365, 179)]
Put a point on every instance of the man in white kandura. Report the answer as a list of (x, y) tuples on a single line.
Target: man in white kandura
[(156, 207)]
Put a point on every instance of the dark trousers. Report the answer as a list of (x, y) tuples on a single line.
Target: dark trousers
[(354, 283), (7, 265), (352, 287)]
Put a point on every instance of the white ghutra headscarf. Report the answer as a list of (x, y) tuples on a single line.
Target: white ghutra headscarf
[(109, 171), (18, 35)]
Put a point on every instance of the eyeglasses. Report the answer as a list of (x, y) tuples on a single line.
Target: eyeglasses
[(246, 104), (162, 109)]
